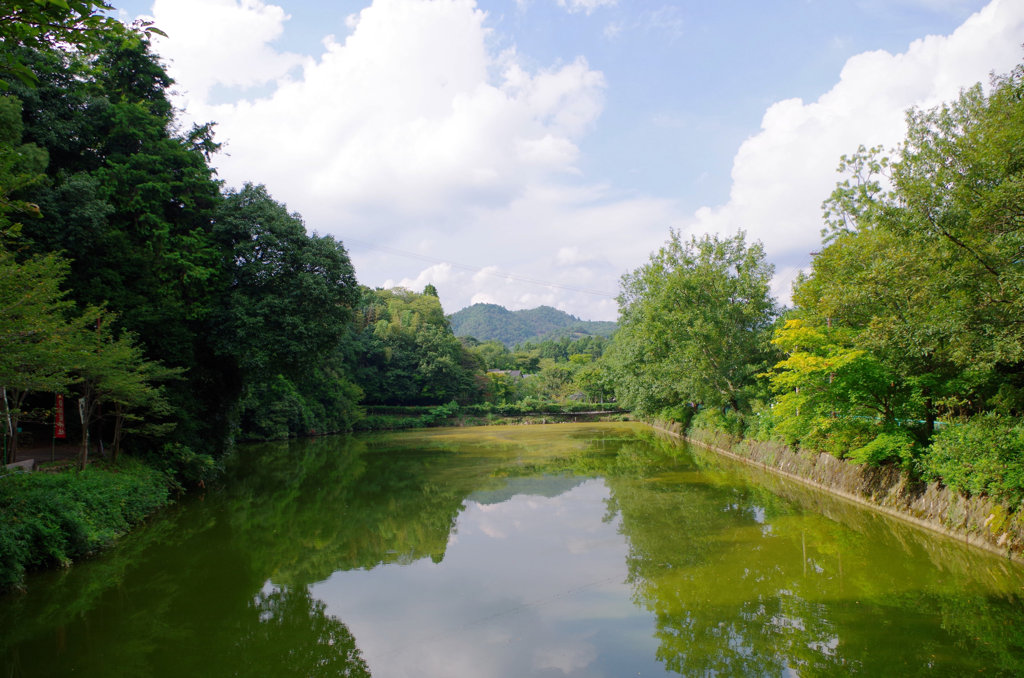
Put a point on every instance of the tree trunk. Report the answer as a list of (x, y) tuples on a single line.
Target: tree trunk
[(929, 416), (11, 424), (83, 451), (118, 418)]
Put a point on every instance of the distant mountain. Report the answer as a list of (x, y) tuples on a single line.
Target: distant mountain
[(487, 322), (535, 486)]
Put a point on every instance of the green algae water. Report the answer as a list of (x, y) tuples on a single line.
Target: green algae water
[(561, 550)]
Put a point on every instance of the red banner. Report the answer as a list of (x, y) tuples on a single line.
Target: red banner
[(58, 419)]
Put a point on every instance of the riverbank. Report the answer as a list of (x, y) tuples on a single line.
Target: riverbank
[(52, 519), (978, 521)]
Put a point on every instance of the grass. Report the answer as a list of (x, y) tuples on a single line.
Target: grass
[(51, 519)]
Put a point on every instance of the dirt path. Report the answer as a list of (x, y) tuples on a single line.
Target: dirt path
[(42, 454)]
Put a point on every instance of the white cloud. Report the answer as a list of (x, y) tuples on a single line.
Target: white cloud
[(782, 174), (587, 6), (437, 275), (416, 133), (404, 117), (225, 42), (411, 126)]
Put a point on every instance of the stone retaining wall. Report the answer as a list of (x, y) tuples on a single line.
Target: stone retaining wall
[(25, 465), (978, 521)]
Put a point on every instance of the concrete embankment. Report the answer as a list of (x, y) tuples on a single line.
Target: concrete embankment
[(978, 521)]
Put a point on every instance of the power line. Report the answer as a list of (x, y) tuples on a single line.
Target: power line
[(477, 269)]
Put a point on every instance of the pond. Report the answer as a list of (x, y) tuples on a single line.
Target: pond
[(559, 550)]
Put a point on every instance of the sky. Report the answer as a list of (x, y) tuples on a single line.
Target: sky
[(532, 152)]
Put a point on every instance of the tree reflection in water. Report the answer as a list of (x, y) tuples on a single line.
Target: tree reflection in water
[(762, 587), (289, 634)]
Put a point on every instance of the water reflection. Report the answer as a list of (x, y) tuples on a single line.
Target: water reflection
[(764, 587), (532, 586), (290, 634), (540, 551)]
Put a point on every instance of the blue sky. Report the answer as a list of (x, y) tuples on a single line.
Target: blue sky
[(528, 152)]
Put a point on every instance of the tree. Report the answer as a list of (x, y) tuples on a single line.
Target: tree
[(21, 167), (593, 380), (922, 264), (694, 324), (41, 24), (111, 369), (36, 336), (406, 351), (290, 295), (286, 313), (132, 204)]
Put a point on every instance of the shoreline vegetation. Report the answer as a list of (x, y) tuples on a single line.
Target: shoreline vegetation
[(978, 521)]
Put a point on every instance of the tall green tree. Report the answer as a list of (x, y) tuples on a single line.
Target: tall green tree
[(694, 325), (37, 334), (286, 317), (131, 202), (111, 369)]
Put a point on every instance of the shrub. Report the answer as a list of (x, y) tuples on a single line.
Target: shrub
[(983, 455), (51, 519), (888, 446), (681, 414), (761, 423), (839, 436), (713, 419), (183, 467)]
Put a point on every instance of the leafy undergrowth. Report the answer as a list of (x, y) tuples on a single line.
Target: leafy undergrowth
[(54, 518)]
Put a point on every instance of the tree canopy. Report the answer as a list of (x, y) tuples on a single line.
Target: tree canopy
[(694, 323)]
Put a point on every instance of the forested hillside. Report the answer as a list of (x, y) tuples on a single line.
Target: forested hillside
[(490, 322)]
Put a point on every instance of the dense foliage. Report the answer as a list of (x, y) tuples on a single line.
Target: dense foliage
[(694, 325), (913, 312), (906, 342), (51, 519), (231, 321), (406, 352), (179, 314)]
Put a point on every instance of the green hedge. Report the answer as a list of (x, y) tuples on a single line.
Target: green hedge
[(52, 519)]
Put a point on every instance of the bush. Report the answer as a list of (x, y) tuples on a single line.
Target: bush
[(983, 455), (183, 467), (761, 423), (713, 419), (681, 414), (888, 446), (839, 436), (400, 410), (52, 519), (395, 418)]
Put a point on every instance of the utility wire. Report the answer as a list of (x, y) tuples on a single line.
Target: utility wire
[(476, 269)]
